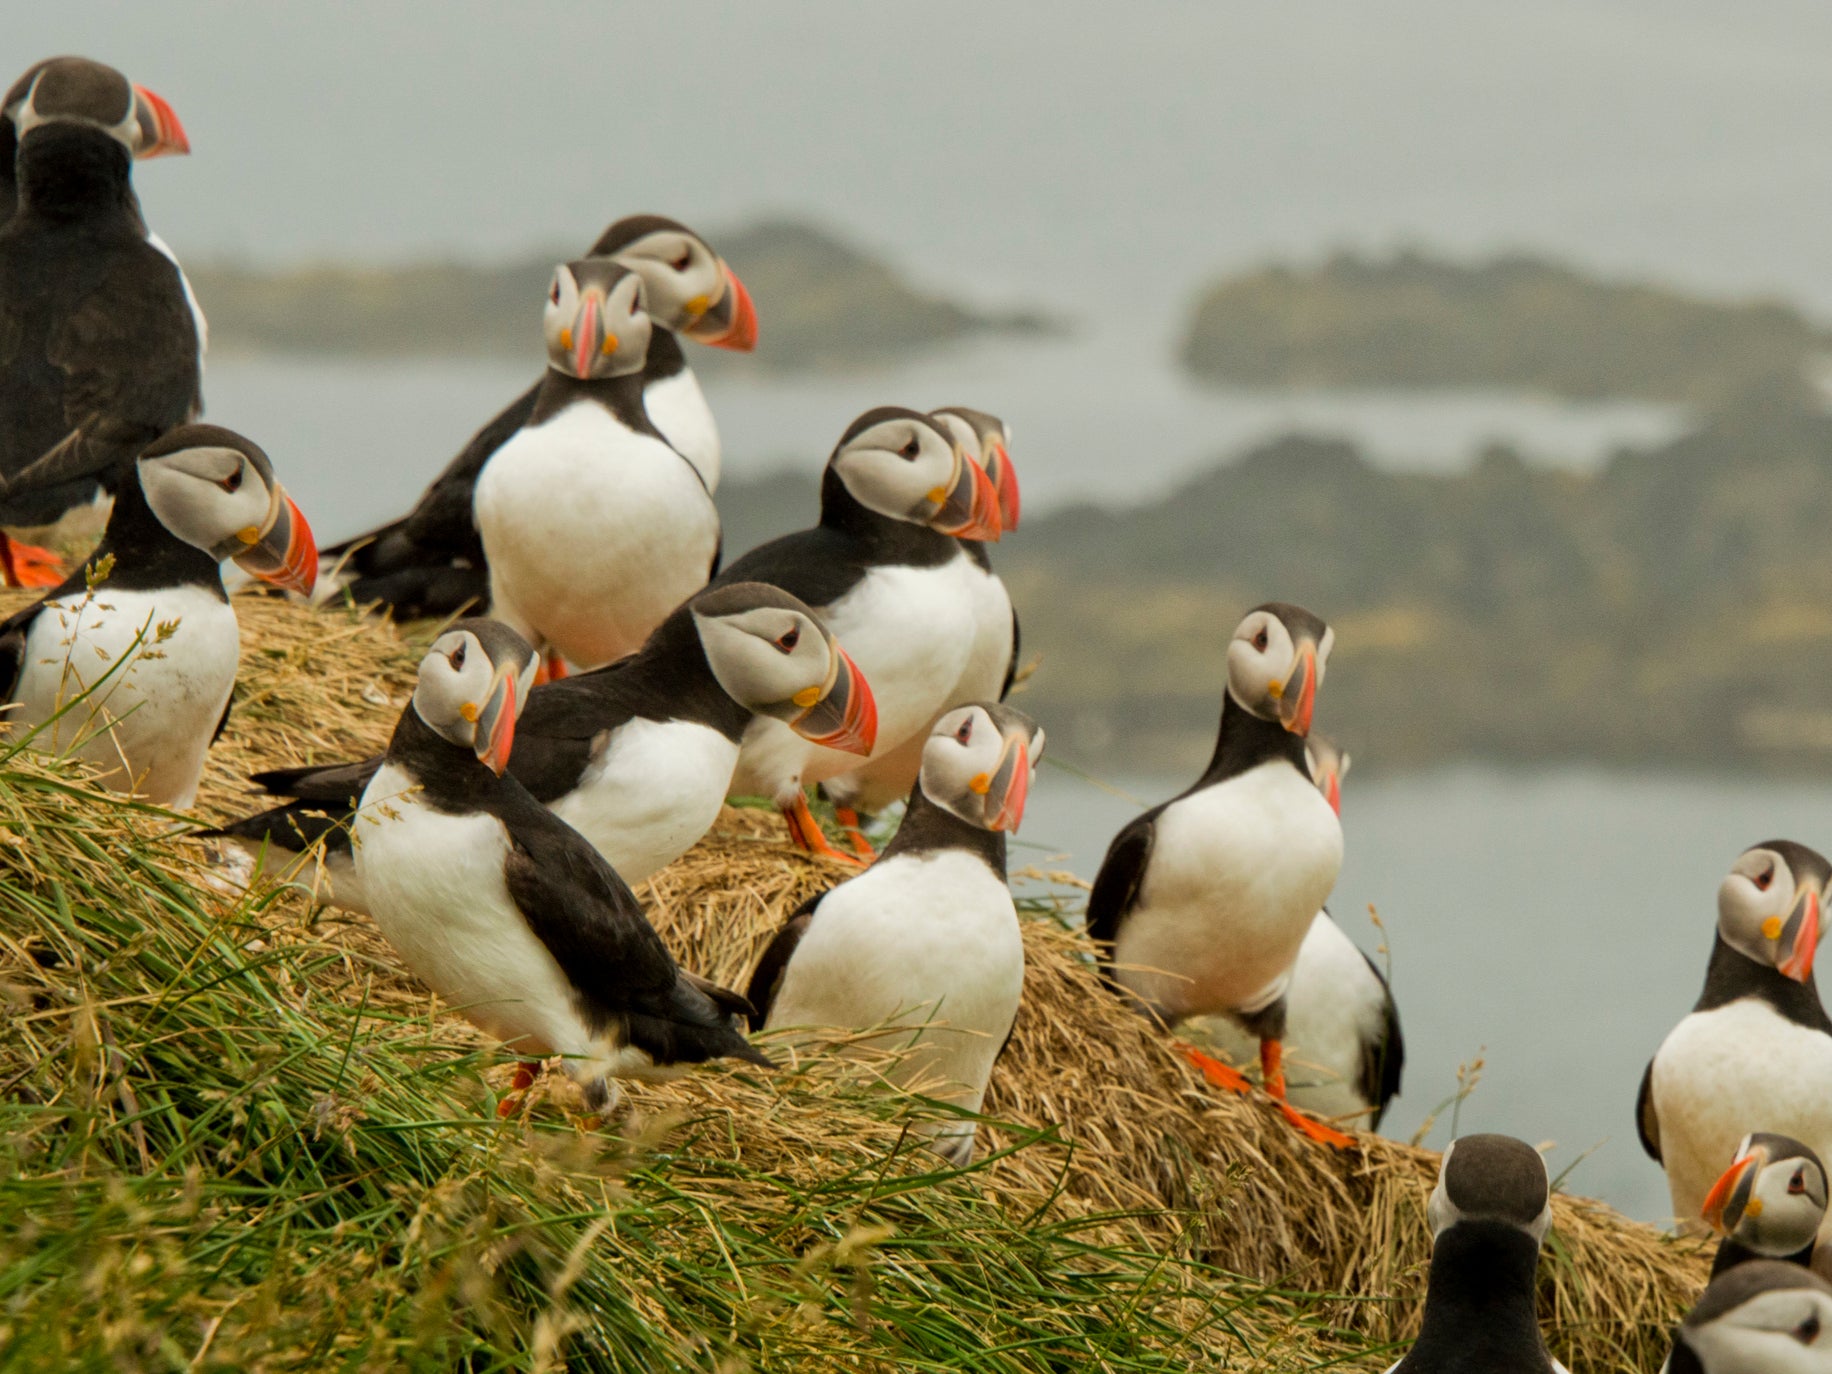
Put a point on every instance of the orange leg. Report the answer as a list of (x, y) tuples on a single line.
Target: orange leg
[(855, 831), (525, 1074), (805, 833), (1272, 1074), (1217, 1073), (27, 565), (552, 668)]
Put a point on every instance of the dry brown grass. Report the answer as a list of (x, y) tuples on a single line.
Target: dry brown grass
[(1122, 1124)]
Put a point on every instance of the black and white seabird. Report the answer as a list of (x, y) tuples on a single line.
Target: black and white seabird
[(506, 911), (1489, 1214), (993, 663), (432, 562), (1770, 1204), (100, 339), (1345, 1053), (1756, 1052), (594, 526), (886, 570), (925, 942), (637, 756), (1764, 1317), (1203, 902), (144, 627)]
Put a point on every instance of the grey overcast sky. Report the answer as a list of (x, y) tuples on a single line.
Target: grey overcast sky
[(1085, 154)]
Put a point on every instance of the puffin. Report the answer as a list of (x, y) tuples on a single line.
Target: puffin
[(1769, 1204), (1756, 1051), (1489, 1214), (593, 525), (507, 912), (925, 942), (1203, 902), (886, 569), (1341, 1022), (101, 341), (1764, 1317), (131, 662), (431, 562), (993, 664), (636, 756)]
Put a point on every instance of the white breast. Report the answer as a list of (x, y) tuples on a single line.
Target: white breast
[(158, 667), (436, 889), (1236, 874), (1723, 1073), (928, 944), (677, 407), (594, 533), (651, 792)]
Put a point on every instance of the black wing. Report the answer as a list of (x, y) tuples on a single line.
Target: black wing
[(1122, 872), (818, 565), (223, 723), (1647, 1122), (766, 979), (1384, 1058), (594, 927), (1011, 668), (564, 724), (323, 799)]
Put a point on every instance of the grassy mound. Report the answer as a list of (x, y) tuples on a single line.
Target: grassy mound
[(234, 1135)]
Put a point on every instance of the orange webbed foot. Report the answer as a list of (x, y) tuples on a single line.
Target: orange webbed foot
[(1217, 1073), (805, 833), (1316, 1130), (855, 832)]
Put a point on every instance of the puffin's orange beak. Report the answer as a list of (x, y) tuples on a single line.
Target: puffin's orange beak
[(845, 717), (167, 133), (1005, 482), (286, 555), (496, 724), (1717, 1201), (1298, 699), (971, 508), (732, 323), (1799, 963), (1010, 787)]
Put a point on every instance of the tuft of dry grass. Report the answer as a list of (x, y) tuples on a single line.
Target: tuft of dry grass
[(1096, 1125)]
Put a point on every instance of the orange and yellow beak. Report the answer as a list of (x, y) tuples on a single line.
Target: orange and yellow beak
[(732, 322), (1005, 482), (1297, 695), (1727, 1194), (1332, 790), (284, 554), (845, 715), (167, 134), (1009, 786), (495, 725), (970, 508), (586, 338), (1802, 931)]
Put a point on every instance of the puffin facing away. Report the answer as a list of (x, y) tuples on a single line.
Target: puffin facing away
[(502, 908), (595, 528), (131, 662), (1756, 1052), (887, 571), (1202, 903), (1764, 1317), (431, 563), (925, 942), (100, 343), (992, 663), (636, 756), (1769, 1204), (1341, 1021), (1489, 1213)]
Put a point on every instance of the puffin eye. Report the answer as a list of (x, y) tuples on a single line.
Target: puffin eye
[(1261, 639), (684, 261), (553, 293), (1764, 878), (911, 449), (789, 640), (233, 482), (458, 657), (966, 731), (1798, 1183), (1808, 1331)]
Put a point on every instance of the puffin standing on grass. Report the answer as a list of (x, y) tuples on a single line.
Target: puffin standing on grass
[(992, 664), (432, 562), (1203, 902), (1489, 1214), (506, 911), (1341, 1021), (1764, 1317), (594, 526), (1756, 1051), (887, 571), (925, 942), (133, 659), (100, 341), (636, 756)]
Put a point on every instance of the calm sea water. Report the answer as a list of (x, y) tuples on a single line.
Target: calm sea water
[(1555, 925)]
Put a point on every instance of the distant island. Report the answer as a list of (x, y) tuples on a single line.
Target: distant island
[(1516, 322), (824, 303), (1674, 609)]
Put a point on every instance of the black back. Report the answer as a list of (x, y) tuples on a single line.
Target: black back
[(1479, 1309)]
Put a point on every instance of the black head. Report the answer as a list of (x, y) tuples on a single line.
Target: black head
[(1492, 1178), (905, 465), (76, 91), (1276, 662), (1770, 906)]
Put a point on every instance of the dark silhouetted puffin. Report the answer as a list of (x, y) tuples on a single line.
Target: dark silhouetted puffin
[(1489, 1213), (925, 942), (1756, 1052), (135, 655), (638, 756), (506, 911), (432, 562), (100, 340), (1202, 903), (886, 570), (1764, 1317)]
